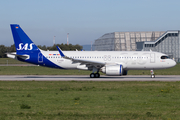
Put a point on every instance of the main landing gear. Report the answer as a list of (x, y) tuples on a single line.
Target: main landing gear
[(152, 74), (94, 75)]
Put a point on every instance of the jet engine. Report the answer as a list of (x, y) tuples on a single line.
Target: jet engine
[(114, 70)]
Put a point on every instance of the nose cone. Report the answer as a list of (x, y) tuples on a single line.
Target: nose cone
[(172, 63)]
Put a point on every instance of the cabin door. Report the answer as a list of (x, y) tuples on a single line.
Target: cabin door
[(152, 59), (40, 57)]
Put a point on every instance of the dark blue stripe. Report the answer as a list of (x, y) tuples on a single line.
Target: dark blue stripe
[(120, 70)]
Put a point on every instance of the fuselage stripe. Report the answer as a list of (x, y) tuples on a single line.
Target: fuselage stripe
[(120, 70), (54, 54)]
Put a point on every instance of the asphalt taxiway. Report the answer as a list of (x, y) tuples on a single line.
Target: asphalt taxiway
[(86, 78)]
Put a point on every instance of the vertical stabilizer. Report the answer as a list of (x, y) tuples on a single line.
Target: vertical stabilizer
[(22, 42)]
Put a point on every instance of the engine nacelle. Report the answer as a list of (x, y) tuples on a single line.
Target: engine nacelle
[(115, 70)]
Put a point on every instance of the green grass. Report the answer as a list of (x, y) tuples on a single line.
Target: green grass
[(89, 100), (11, 61)]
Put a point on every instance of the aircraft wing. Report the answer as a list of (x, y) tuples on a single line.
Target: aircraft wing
[(88, 63)]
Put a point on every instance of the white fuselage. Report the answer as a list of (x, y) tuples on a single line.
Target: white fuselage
[(129, 59)]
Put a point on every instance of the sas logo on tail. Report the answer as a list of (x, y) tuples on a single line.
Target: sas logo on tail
[(25, 47)]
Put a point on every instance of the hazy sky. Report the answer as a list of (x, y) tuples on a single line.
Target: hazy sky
[(85, 20)]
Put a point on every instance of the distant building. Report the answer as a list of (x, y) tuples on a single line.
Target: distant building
[(168, 43), (160, 41)]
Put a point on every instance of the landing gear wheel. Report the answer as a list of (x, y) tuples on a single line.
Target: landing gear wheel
[(92, 75), (153, 76), (97, 75)]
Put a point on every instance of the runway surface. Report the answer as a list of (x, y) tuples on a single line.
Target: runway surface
[(86, 78)]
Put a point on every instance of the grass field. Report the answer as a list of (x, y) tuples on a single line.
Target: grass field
[(10, 61), (89, 100)]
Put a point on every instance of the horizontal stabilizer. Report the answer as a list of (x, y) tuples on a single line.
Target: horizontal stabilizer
[(14, 56)]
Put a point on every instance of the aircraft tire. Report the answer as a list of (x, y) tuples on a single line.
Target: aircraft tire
[(153, 76), (92, 75), (97, 75)]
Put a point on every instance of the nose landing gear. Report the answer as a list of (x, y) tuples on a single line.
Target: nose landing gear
[(152, 74)]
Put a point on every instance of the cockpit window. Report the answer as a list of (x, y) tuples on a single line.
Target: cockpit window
[(164, 57)]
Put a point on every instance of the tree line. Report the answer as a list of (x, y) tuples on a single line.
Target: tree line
[(4, 49)]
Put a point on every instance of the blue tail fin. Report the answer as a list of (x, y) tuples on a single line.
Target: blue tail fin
[(22, 42)]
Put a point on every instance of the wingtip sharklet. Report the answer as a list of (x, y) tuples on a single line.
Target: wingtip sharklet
[(60, 51)]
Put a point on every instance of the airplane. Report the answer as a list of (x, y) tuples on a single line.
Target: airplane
[(112, 63)]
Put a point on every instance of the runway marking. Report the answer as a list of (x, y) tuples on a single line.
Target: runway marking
[(86, 78)]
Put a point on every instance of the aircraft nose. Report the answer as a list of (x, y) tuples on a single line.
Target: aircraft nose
[(173, 63)]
